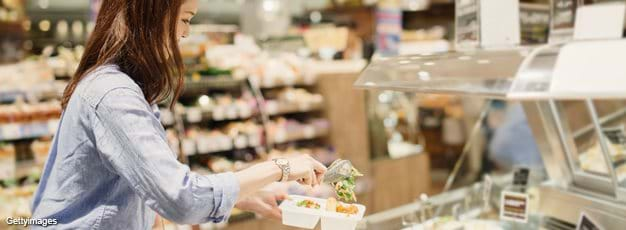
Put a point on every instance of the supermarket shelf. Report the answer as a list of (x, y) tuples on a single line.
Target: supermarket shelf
[(194, 87), (273, 109), (12, 95), (194, 147), (15, 132), (225, 150), (27, 168), (280, 83), (210, 116), (304, 134), (290, 108)]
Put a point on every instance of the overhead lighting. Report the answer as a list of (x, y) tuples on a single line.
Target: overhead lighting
[(43, 4), (204, 100), (44, 25), (315, 17)]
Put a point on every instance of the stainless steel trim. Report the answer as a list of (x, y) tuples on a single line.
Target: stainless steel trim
[(603, 144)]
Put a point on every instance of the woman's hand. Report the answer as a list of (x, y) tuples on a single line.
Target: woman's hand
[(263, 203), (306, 170)]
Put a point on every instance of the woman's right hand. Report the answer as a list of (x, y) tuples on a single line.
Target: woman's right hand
[(306, 170)]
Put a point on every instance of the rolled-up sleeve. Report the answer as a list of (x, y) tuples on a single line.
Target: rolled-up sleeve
[(131, 141)]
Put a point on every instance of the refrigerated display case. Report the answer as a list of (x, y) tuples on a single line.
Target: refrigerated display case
[(573, 95)]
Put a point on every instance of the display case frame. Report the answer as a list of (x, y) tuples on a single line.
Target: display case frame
[(541, 78)]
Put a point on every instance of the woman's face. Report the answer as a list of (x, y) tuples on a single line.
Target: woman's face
[(187, 11)]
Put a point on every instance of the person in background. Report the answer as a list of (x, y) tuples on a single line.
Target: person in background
[(513, 144), (110, 166)]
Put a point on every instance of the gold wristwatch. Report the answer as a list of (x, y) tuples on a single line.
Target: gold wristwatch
[(283, 164)]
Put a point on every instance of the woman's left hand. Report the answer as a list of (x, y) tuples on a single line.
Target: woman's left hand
[(263, 203)]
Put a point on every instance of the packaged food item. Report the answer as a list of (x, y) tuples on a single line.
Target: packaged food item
[(342, 217)]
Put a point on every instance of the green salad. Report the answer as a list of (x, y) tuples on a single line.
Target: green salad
[(345, 188)]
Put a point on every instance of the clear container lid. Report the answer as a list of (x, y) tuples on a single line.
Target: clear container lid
[(582, 69)]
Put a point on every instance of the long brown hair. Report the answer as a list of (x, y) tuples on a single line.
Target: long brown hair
[(140, 37)]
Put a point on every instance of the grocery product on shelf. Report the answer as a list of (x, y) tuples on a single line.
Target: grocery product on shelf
[(40, 150), (22, 120), (7, 161), (284, 130), (236, 135), (29, 79)]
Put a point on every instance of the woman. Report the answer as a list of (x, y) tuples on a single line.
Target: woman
[(110, 166)]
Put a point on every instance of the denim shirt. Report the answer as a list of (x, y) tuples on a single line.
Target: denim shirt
[(110, 166)]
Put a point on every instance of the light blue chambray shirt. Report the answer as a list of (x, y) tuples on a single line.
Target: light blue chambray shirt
[(110, 166)]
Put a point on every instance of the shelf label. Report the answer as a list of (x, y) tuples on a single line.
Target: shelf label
[(514, 206), (586, 223)]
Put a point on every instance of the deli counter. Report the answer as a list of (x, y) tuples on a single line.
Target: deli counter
[(574, 97)]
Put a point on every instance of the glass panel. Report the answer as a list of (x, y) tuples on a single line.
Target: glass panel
[(581, 138), (480, 72), (612, 117)]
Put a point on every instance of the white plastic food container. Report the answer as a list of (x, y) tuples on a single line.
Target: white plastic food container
[(307, 218)]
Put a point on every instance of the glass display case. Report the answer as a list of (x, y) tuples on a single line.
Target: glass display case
[(573, 95)]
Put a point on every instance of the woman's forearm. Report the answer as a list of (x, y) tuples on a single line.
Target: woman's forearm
[(257, 177)]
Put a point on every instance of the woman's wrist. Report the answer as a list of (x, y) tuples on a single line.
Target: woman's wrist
[(276, 173)]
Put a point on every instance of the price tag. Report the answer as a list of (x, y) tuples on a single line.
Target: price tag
[(586, 223), (514, 207), (309, 132), (194, 115)]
